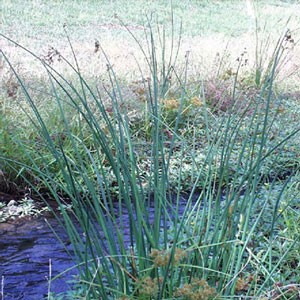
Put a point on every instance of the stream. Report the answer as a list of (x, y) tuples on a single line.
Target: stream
[(26, 248), (29, 249)]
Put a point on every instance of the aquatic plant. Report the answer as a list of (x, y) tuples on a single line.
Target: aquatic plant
[(93, 163)]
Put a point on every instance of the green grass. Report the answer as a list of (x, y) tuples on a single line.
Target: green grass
[(89, 18), (230, 141), (209, 28)]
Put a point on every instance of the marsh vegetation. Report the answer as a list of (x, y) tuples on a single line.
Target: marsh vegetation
[(175, 122)]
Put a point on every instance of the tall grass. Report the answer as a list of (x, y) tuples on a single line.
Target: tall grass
[(130, 238)]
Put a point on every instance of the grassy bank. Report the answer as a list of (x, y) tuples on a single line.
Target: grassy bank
[(227, 139)]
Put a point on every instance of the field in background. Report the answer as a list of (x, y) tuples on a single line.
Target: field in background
[(209, 28)]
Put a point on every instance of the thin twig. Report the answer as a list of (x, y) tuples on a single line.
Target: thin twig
[(50, 278)]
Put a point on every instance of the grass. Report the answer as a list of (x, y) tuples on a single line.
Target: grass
[(219, 147), (198, 18), (204, 30)]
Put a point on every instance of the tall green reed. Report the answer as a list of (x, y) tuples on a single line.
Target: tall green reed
[(122, 247)]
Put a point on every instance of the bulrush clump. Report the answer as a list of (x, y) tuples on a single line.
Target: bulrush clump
[(161, 257), (198, 289), (171, 104), (149, 286)]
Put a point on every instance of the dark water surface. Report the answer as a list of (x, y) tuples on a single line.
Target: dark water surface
[(26, 248)]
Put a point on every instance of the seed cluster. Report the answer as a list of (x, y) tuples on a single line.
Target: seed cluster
[(198, 289), (161, 258)]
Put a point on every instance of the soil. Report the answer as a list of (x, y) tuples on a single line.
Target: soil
[(6, 198)]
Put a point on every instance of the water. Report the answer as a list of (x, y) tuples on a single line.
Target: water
[(26, 248)]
